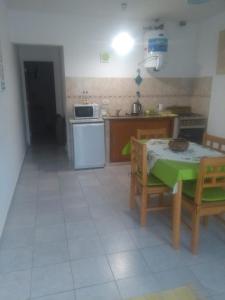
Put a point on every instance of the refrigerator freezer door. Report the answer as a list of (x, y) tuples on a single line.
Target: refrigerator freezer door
[(89, 145)]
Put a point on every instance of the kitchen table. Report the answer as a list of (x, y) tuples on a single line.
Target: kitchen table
[(173, 168)]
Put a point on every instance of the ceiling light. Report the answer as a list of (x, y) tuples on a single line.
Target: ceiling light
[(123, 43)]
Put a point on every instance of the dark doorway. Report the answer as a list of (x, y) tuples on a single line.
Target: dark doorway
[(41, 101)]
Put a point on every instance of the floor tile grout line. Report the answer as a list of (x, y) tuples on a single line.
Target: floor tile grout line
[(53, 294), (34, 233), (75, 289), (95, 284), (118, 289), (33, 268), (105, 255), (67, 241), (99, 237)]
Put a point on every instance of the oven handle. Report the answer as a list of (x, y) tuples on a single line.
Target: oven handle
[(192, 127)]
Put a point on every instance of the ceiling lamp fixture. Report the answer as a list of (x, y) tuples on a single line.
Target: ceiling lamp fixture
[(123, 43), (198, 1)]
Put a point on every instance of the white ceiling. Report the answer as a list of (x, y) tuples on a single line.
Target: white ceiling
[(137, 9)]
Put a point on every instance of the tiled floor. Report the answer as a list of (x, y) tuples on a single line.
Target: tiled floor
[(70, 235)]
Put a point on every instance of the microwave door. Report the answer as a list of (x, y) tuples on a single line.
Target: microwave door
[(84, 112)]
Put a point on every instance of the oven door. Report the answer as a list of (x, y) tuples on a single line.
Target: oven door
[(192, 134)]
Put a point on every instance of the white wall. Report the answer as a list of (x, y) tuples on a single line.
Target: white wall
[(12, 141), (84, 38), (207, 62)]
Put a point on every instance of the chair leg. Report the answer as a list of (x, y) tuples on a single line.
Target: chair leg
[(177, 217), (144, 206), (138, 190), (205, 221), (132, 191), (161, 199), (195, 232)]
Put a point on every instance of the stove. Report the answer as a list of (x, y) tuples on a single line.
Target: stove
[(190, 126), (189, 114), (192, 120)]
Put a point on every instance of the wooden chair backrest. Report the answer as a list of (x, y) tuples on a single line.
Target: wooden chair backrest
[(214, 142), (139, 159), (156, 133), (211, 175)]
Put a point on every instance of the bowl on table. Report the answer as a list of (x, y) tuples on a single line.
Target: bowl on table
[(178, 145)]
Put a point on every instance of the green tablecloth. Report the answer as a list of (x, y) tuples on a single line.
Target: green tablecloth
[(170, 171), (172, 167), (126, 149)]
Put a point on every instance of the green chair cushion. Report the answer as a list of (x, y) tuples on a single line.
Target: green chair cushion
[(152, 180), (208, 195)]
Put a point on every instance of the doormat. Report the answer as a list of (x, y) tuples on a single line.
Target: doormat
[(182, 293)]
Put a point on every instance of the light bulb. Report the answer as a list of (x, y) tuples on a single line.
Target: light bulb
[(123, 43)]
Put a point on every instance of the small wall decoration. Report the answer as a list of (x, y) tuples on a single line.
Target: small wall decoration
[(138, 79), (221, 54), (105, 57), (2, 78)]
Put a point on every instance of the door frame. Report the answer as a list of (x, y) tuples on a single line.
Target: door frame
[(21, 67), (24, 96)]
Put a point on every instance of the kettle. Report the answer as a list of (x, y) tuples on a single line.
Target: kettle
[(136, 106)]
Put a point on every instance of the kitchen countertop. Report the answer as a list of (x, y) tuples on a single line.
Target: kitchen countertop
[(152, 116), (87, 120)]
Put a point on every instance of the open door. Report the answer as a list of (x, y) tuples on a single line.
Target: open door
[(41, 101)]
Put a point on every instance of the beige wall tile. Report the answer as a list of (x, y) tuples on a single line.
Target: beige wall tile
[(202, 87), (121, 92), (200, 105)]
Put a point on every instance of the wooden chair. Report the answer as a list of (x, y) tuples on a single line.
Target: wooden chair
[(156, 133), (206, 197), (214, 142), (153, 133), (148, 185)]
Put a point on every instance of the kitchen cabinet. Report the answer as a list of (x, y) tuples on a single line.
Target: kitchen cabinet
[(120, 131)]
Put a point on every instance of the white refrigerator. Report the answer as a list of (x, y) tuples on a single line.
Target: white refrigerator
[(89, 144)]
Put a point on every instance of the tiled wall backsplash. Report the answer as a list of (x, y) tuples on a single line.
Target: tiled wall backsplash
[(201, 95), (120, 93)]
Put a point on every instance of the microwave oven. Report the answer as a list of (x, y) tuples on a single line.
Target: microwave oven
[(90, 111)]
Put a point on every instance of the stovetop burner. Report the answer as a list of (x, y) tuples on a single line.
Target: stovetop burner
[(184, 112)]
